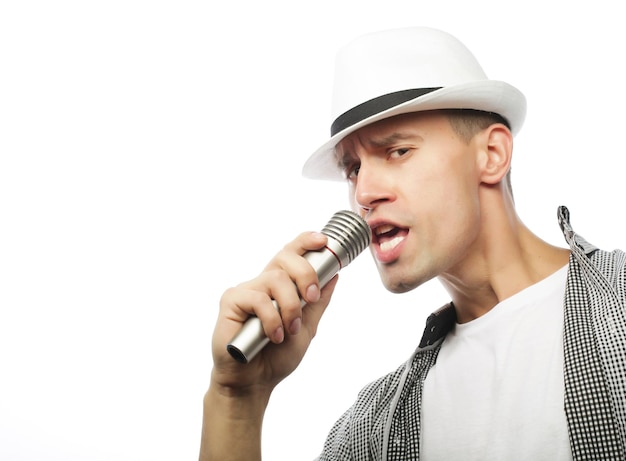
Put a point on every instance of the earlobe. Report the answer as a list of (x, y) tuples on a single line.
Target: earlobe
[(498, 150)]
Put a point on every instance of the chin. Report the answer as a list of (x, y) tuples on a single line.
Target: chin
[(403, 283), (400, 286)]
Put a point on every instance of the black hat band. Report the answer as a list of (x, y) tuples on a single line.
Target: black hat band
[(375, 106)]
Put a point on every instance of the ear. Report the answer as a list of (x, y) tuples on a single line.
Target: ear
[(495, 161)]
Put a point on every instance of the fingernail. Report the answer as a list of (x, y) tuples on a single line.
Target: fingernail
[(294, 327), (312, 293), (279, 335)]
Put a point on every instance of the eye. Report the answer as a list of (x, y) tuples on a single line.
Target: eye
[(352, 171), (397, 153)]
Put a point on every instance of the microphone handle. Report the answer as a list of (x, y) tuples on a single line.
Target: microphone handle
[(251, 338)]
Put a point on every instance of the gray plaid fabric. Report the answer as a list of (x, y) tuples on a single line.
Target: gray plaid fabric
[(384, 422)]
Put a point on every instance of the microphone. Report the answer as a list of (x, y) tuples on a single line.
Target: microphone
[(348, 235)]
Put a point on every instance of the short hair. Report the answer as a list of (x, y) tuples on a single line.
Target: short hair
[(466, 123)]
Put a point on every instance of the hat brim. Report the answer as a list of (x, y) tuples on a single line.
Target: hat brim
[(486, 95)]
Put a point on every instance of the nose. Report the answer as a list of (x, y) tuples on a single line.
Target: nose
[(372, 188)]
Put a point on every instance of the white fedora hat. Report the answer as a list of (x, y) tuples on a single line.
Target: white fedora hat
[(397, 71)]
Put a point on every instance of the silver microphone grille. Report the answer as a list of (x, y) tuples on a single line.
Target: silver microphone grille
[(350, 231)]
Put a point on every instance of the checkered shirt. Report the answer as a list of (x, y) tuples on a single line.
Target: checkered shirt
[(384, 422)]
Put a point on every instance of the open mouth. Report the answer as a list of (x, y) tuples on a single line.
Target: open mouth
[(388, 237)]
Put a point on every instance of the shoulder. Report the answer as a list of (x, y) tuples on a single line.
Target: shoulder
[(612, 266), (610, 262), (360, 430)]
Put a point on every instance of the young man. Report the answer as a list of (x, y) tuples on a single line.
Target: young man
[(526, 362)]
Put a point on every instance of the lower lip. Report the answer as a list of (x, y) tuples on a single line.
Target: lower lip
[(388, 256)]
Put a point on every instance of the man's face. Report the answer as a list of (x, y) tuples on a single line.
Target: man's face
[(417, 184)]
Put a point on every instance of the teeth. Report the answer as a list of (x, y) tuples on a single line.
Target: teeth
[(391, 244), (384, 229)]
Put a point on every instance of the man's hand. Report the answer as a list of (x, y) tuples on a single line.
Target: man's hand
[(238, 394)]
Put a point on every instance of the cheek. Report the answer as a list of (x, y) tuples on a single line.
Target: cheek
[(451, 214), (461, 233), (455, 187), (354, 206)]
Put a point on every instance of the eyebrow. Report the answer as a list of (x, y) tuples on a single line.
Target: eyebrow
[(391, 139), (344, 159)]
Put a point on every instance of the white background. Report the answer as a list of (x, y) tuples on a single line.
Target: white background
[(150, 156)]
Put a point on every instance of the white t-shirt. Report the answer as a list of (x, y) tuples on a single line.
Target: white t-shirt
[(497, 389)]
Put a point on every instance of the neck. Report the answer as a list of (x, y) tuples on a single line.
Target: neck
[(505, 259)]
